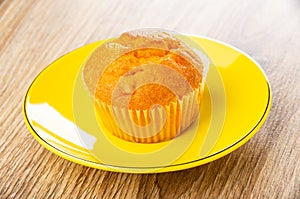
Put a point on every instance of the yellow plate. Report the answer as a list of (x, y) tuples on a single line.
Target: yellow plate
[(61, 116)]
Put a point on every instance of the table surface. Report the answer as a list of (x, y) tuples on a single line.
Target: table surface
[(35, 33)]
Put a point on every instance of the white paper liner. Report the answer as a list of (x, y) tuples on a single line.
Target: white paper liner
[(179, 116)]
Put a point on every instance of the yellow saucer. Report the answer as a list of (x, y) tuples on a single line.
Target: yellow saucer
[(60, 115)]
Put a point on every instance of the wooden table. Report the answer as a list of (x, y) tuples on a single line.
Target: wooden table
[(35, 33)]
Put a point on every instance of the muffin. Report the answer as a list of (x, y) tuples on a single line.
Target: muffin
[(147, 85)]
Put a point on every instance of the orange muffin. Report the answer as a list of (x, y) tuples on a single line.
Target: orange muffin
[(147, 85)]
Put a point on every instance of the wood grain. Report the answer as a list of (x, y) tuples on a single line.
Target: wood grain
[(35, 33)]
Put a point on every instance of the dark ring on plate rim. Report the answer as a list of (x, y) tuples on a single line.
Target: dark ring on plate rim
[(73, 158)]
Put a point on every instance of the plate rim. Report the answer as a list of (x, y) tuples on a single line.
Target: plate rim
[(153, 169)]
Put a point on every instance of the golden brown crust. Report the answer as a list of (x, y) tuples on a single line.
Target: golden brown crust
[(119, 69)]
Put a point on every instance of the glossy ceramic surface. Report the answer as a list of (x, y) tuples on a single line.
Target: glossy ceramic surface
[(61, 116)]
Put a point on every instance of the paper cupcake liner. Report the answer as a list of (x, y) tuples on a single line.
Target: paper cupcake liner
[(150, 126)]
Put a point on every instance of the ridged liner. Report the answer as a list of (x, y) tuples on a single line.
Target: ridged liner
[(179, 116)]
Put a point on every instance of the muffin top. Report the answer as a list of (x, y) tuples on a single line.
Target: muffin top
[(142, 68)]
